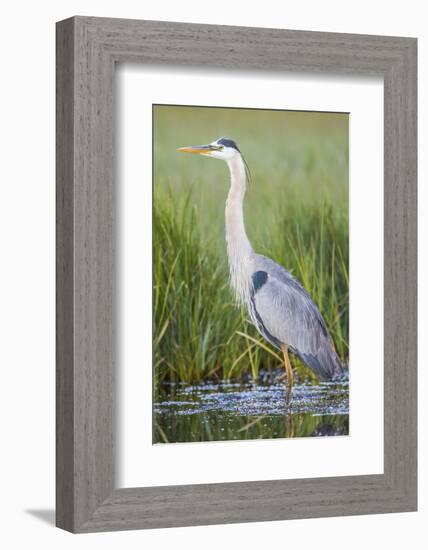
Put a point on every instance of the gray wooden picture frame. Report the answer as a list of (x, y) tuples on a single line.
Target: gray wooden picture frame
[(87, 51)]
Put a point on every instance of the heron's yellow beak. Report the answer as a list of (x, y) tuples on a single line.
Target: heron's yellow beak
[(197, 149)]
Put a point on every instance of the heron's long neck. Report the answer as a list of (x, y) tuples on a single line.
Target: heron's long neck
[(239, 250)]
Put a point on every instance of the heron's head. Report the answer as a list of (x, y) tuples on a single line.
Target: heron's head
[(223, 148)]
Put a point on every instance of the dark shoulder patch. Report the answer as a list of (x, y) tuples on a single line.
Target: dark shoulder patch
[(259, 279)]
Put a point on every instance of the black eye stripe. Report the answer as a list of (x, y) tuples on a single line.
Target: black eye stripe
[(228, 143)]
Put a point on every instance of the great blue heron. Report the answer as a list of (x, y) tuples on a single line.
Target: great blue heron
[(278, 305)]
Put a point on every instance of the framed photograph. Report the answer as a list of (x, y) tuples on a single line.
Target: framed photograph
[(236, 274), (221, 367)]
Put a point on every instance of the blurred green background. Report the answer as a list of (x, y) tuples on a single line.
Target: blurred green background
[(296, 212)]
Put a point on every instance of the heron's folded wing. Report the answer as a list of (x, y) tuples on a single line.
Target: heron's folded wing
[(290, 315)]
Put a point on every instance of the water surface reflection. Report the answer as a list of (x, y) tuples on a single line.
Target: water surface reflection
[(234, 411)]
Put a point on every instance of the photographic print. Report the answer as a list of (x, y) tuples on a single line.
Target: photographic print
[(250, 274)]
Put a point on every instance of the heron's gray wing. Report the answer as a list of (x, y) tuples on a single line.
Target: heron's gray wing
[(289, 315), (285, 311)]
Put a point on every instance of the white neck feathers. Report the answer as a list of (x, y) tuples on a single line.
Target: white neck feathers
[(239, 250)]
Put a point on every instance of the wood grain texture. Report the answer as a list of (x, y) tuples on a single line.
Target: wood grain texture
[(64, 277), (87, 50)]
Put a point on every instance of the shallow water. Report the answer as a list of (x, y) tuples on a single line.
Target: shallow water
[(233, 411)]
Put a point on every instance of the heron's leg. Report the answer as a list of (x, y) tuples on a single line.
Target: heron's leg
[(290, 426), (289, 371)]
